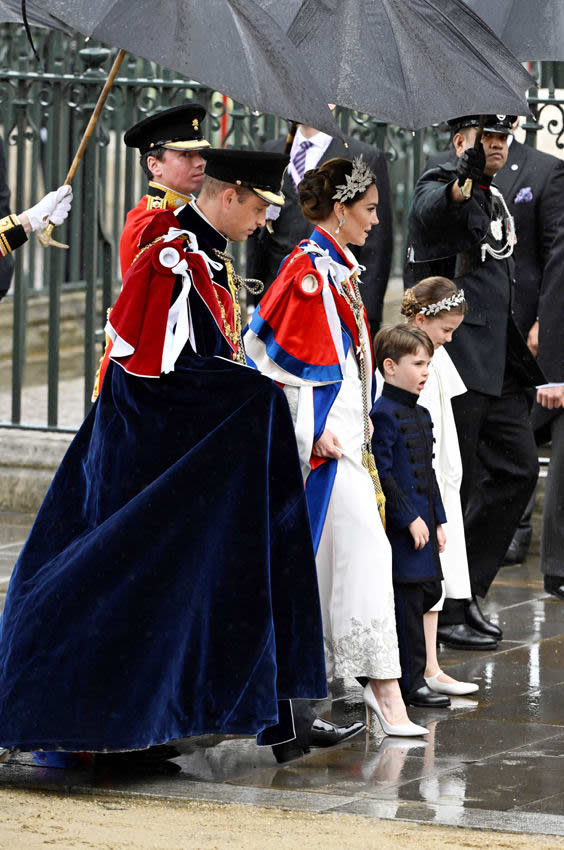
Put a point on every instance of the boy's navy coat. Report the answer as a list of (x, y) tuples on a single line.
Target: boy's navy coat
[(403, 448)]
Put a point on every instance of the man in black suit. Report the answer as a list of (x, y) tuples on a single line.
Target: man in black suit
[(532, 183), (267, 248), (470, 237)]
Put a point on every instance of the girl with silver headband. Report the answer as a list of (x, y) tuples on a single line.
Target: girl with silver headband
[(436, 306)]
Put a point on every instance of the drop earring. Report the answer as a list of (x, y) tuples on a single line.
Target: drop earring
[(341, 222)]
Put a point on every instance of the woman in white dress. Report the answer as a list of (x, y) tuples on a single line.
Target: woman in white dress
[(310, 334), (436, 306)]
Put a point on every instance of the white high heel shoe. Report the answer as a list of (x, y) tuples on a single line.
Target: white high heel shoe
[(453, 689), (406, 730)]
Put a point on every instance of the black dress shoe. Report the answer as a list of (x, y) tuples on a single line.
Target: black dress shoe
[(462, 636), (426, 698), (327, 734), (153, 759), (289, 751), (476, 620), (517, 551), (555, 586)]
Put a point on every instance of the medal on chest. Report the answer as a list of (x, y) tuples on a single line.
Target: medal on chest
[(496, 228)]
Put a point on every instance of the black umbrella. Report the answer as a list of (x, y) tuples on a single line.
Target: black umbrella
[(532, 29), (406, 62), (11, 13), (233, 46)]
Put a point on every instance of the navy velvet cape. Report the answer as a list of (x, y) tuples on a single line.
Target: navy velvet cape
[(168, 585)]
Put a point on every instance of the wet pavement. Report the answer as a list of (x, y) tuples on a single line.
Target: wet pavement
[(493, 760)]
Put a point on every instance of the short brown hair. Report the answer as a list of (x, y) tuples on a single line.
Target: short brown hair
[(212, 187), (395, 341), (318, 185), (430, 290)]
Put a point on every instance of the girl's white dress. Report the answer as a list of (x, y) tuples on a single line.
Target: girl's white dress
[(443, 384)]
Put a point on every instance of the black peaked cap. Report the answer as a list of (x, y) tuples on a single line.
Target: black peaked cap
[(178, 128), (260, 171), (493, 123)]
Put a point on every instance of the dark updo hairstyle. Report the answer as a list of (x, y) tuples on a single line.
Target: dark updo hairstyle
[(430, 290), (317, 187)]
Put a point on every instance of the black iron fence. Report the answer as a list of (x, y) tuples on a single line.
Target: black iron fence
[(43, 110)]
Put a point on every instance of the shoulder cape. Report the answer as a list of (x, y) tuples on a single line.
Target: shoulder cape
[(302, 328), (146, 331)]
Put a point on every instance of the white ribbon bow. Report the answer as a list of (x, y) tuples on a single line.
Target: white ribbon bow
[(176, 232)]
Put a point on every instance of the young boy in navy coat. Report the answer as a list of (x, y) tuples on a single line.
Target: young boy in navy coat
[(403, 448)]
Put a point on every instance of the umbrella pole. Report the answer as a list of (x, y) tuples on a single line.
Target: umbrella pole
[(466, 188), (45, 236)]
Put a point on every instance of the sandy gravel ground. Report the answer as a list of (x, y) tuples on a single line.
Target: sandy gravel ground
[(38, 820)]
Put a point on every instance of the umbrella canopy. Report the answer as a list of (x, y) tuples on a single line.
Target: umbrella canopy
[(532, 29), (406, 62), (233, 46), (11, 13)]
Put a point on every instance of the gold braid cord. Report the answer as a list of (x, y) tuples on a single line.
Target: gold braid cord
[(236, 283), (355, 303), (96, 389)]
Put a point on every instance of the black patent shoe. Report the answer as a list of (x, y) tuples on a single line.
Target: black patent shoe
[(476, 620), (327, 734), (426, 698), (517, 551), (288, 751), (462, 636), (153, 759), (555, 586)]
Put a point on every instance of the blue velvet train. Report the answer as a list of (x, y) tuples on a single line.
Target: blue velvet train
[(168, 585)]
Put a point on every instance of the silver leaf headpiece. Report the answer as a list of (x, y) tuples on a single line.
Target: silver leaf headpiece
[(358, 181), (446, 304)]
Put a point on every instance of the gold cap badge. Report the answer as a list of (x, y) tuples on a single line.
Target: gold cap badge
[(195, 124)]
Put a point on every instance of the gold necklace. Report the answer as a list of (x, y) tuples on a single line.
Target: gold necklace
[(354, 301)]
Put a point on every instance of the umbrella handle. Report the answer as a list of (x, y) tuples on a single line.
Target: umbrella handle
[(45, 236), (466, 188)]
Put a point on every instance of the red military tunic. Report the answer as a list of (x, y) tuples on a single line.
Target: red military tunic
[(157, 198)]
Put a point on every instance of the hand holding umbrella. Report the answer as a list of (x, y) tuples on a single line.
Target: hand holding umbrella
[(471, 164), (50, 210)]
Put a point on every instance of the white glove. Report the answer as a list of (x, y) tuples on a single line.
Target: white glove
[(53, 207)]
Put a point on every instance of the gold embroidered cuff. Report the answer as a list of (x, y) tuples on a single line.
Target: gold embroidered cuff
[(12, 234)]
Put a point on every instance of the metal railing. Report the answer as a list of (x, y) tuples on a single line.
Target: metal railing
[(43, 111)]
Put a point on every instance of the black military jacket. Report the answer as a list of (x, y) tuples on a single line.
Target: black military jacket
[(449, 239)]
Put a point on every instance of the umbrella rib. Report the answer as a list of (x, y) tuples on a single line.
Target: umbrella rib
[(472, 47), (407, 89)]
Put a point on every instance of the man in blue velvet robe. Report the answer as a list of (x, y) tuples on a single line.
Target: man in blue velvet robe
[(168, 588)]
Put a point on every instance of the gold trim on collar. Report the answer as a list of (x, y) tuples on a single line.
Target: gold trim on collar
[(166, 199)]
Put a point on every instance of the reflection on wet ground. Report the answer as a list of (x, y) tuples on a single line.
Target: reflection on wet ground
[(493, 760)]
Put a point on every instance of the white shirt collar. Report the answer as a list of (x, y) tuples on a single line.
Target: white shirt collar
[(320, 140)]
